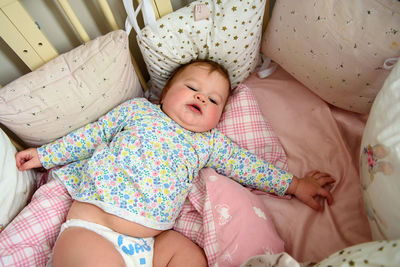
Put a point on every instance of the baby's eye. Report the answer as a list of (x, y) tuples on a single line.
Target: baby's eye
[(212, 101), (191, 88)]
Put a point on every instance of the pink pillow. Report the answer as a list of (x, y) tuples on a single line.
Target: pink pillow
[(227, 220), (243, 122), (242, 224)]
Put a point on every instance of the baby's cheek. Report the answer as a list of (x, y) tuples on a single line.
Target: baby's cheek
[(215, 116)]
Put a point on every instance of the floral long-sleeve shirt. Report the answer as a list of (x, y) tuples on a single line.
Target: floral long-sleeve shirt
[(138, 164)]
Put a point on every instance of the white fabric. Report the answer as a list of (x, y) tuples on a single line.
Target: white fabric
[(277, 260), (149, 17), (267, 68), (16, 186), (136, 252), (380, 160)]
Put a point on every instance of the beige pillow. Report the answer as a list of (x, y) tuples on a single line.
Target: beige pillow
[(231, 36), (336, 48), (71, 90)]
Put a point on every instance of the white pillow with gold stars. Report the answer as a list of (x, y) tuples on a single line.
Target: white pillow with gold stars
[(377, 253), (231, 36)]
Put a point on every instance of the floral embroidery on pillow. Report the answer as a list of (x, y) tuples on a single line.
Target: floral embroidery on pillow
[(374, 156)]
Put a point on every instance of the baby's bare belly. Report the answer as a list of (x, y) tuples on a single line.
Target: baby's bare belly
[(91, 213)]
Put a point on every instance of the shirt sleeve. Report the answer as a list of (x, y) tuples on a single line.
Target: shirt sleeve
[(229, 159), (82, 142)]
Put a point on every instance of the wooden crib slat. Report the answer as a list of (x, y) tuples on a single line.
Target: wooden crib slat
[(105, 7), (161, 7), (74, 20), (18, 43), (21, 33)]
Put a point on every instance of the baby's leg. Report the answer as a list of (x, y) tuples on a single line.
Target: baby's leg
[(173, 249), (78, 246)]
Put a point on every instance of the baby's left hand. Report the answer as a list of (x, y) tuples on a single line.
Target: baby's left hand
[(311, 186)]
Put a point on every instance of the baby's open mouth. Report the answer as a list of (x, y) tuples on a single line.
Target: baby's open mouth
[(195, 108)]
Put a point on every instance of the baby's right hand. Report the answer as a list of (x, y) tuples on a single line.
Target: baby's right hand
[(27, 159)]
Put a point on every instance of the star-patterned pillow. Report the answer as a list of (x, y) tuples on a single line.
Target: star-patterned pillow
[(231, 36)]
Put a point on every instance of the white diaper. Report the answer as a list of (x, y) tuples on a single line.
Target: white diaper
[(136, 252)]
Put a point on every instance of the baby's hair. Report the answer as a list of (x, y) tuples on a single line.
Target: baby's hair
[(214, 66)]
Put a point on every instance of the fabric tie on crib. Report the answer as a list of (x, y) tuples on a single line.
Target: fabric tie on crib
[(148, 14), (267, 68)]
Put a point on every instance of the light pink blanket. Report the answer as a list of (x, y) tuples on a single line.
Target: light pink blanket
[(315, 135)]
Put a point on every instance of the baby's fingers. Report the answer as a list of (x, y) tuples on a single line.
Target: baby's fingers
[(326, 194), (326, 180), (20, 158), (311, 202)]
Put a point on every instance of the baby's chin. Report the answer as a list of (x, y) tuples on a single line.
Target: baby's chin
[(198, 129)]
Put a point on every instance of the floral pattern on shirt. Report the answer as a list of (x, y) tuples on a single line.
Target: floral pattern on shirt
[(137, 163)]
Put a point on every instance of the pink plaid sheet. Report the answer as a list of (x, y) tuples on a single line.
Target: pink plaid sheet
[(196, 220), (29, 238), (243, 122)]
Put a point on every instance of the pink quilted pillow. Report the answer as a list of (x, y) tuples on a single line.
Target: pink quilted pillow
[(242, 224), (243, 122)]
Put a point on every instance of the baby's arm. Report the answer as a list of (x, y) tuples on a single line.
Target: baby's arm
[(243, 166), (311, 186), (79, 144)]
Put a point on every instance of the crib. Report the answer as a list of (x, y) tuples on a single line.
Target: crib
[(314, 86)]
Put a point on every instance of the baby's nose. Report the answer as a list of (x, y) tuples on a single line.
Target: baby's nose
[(201, 98)]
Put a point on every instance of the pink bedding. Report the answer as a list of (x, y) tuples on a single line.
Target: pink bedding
[(315, 135)]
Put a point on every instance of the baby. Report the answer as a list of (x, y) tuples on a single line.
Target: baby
[(130, 172)]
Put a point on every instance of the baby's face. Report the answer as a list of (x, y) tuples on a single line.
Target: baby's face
[(196, 98)]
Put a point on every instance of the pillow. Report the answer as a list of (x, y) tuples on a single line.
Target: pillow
[(380, 160), (243, 226), (378, 253), (386, 253), (243, 122), (336, 48), (17, 186), (231, 36), (71, 90)]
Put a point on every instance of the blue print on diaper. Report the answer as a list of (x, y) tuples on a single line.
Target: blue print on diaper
[(134, 248)]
